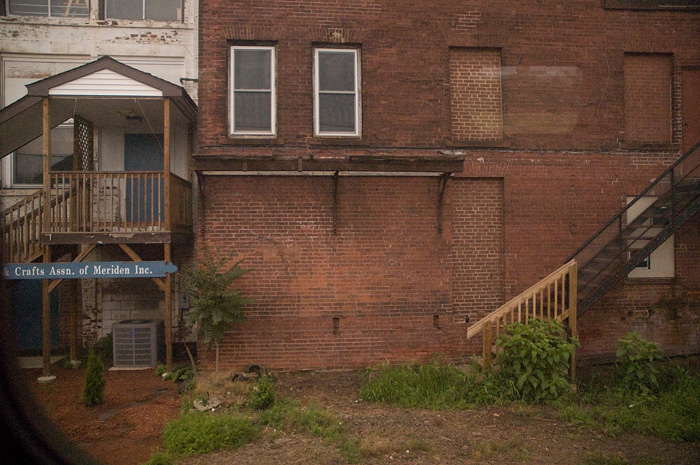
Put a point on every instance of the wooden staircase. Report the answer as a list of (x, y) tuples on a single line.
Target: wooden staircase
[(22, 225)]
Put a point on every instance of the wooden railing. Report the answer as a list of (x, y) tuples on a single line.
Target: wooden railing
[(552, 298), (118, 202), (180, 204), (21, 229)]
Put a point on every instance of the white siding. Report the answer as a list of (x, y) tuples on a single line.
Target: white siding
[(106, 83)]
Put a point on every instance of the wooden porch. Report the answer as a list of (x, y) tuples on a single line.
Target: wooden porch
[(130, 211)]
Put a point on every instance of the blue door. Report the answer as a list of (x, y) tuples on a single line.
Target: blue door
[(144, 197), (26, 315)]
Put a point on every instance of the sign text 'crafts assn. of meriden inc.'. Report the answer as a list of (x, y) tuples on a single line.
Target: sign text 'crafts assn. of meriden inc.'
[(87, 270)]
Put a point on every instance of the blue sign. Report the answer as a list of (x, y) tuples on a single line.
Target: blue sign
[(87, 270)]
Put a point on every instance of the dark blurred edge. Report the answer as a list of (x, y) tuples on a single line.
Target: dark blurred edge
[(27, 436)]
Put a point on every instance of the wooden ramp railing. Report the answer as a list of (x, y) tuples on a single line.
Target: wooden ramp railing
[(552, 298)]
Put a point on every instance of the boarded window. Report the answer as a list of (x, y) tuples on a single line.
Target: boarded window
[(648, 98)]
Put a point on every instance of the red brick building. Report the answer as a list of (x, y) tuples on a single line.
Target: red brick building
[(395, 170)]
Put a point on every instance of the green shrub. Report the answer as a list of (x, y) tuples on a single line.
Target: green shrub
[(161, 369), (93, 392), (536, 358), (637, 357), (104, 348), (200, 433), (262, 395)]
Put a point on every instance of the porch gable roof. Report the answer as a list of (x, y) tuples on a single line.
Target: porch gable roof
[(20, 122)]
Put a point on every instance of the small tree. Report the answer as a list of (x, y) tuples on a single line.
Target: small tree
[(93, 393), (215, 306)]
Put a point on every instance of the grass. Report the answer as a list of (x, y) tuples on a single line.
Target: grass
[(433, 386), (200, 433), (605, 401), (288, 415), (608, 406)]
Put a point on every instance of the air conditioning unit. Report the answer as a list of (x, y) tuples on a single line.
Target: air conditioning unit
[(137, 343)]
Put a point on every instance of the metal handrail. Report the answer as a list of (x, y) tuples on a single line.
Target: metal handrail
[(668, 171)]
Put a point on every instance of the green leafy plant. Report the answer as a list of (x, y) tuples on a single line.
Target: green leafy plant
[(637, 357), (200, 433), (104, 347), (262, 395), (536, 357), (93, 392), (216, 307)]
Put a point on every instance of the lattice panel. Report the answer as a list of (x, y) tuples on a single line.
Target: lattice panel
[(84, 144)]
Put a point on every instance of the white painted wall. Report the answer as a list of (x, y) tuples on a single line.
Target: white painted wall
[(33, 48), (662, 260)]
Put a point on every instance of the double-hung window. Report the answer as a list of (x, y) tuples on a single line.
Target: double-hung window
[(252, 105), (50, 8), (337, 92), (157, 10)]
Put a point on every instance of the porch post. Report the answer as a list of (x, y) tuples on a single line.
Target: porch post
[(46, 224), (166, 161), (168, 311), (167, 250)]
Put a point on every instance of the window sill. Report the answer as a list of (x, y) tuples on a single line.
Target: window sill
[(473, 143), (88, 22), (354, 141), (251, 140), (651, 281)]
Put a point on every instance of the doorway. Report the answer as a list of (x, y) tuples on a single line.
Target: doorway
[(144, 197)]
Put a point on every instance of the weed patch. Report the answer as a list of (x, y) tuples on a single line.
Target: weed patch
[(612, 407), (433, 386), (287, 415), (200, 433)]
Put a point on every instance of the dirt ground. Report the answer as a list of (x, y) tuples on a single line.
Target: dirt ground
[(126, 428)]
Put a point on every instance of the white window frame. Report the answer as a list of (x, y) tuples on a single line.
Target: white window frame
[(273, 92), (357, 93), (48, 13), (143, 12)]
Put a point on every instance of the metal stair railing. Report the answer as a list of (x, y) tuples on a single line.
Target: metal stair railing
[(621, 245)]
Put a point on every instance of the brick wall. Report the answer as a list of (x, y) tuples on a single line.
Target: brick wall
[(387, 285)]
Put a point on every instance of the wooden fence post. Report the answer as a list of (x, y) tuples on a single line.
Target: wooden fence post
[(486, 362)]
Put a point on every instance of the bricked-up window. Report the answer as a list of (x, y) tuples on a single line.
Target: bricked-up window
[(252, 91), (157, 10), (52, 8), (475, 94), (648, 98), (336, 92)]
